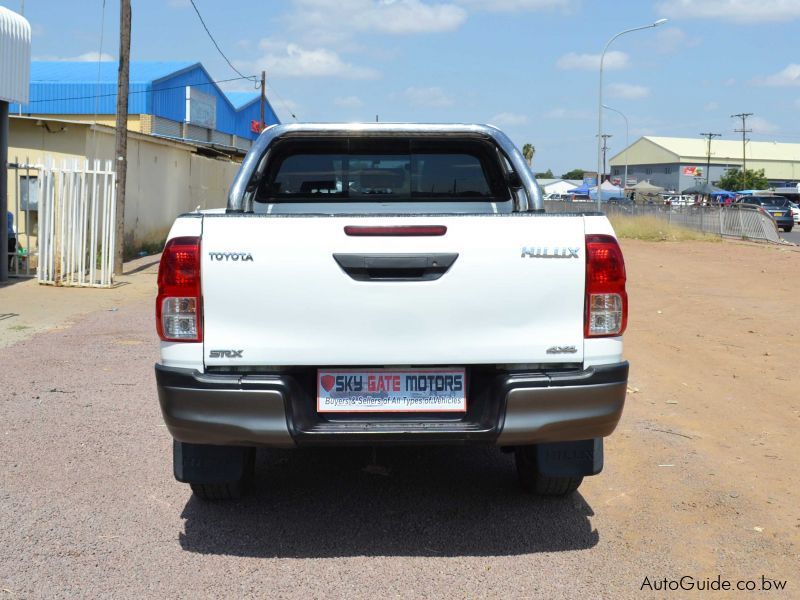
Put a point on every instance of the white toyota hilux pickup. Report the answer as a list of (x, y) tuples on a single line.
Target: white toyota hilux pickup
[(389, 284)]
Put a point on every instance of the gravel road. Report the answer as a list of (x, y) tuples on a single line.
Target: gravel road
[(700, 477)]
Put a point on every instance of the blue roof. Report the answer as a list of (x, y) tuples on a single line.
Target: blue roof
[(156, 88), (240, 99), (87, 72)]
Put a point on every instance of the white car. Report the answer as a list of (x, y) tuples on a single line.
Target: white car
[(795, 212), (430, 300)]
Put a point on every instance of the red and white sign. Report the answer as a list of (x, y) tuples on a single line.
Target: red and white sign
[(693, 171), (386, 390)]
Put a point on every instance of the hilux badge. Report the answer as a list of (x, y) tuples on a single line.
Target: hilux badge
[(547, 252)]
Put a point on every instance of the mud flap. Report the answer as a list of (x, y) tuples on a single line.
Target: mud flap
[(205, 464), (570, 459)]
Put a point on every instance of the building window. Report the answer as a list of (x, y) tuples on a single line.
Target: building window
[(616, 171), (648, 171), (667, 170)]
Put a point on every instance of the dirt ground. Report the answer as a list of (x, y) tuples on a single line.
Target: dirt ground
[(701, 476)]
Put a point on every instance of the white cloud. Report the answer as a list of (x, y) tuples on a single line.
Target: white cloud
[(517, 5), (790, 76), (591, 62), (710, 106), (85, 57), (508, 118), (673, 39), (628, 91), (348, 102), (762, 125), (328, 19), (431, 97), (738, 11), (567, 113), (292, 60)]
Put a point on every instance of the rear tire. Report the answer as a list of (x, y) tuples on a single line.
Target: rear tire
[(534, 482), (227, 475), (787, 229)]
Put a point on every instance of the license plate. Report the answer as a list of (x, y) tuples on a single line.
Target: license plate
[(778, 214), (393, 391)]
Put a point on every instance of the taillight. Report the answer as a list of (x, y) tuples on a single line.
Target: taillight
[(606, 310), (178, 305)]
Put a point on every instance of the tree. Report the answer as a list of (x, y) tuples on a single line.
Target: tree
[(574, 174), (753, 180), (545, 174), (528, 150)]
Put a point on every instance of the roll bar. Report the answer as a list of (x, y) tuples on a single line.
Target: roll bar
[(529, 201)]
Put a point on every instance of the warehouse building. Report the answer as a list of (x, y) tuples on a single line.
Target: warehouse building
[(177, 100), (678, 163)]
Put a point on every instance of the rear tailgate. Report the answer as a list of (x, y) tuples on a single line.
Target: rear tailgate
[(293, 304)]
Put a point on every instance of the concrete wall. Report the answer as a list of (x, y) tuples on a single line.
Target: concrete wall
[(165, 178)]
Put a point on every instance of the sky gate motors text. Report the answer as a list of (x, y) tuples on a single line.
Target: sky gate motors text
[(417, 382)]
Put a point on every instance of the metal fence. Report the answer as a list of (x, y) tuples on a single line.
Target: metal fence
[(731, 221), (23, 255), (76, 224)]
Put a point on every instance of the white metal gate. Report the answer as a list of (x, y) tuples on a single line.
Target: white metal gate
[(76, 224)]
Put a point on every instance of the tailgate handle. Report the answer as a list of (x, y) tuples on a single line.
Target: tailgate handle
[(395, 267)]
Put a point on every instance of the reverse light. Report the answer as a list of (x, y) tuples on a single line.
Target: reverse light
[(178, 304), (606, 304)]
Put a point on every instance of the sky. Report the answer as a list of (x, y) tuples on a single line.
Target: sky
[(527, 66)]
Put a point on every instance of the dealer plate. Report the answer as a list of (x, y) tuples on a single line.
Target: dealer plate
[(388, 390)]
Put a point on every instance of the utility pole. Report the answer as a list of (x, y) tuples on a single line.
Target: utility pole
[(744, 131), (605, 137), (710, 136), (121, 138), (263, 99)]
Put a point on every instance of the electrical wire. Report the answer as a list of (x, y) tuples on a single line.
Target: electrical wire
[(174, 87), (253, 78), (216, 45), (282, 101)]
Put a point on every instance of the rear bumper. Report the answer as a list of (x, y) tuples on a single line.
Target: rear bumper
[(274, 410)]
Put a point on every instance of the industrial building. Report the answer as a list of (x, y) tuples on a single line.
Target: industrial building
[(676, 163), (186, 140), (177, 100)]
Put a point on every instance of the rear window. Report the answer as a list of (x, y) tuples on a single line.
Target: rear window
[(383, 171)]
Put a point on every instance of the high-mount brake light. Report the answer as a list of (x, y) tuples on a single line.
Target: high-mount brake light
[(606, 304), (395, 230), (178, 304)]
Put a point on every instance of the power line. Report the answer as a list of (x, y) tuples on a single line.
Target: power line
[(216, 45), (252, 78), (130, 93)]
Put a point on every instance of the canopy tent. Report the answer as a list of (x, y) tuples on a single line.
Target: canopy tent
[(646, 188), (607, 190), (582, 190), (705, 189)]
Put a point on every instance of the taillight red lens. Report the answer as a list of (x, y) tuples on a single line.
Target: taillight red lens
[(178, 304), (606, 304)]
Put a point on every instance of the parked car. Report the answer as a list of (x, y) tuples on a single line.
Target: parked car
[(403, 308), (777, 207), (795, 212)]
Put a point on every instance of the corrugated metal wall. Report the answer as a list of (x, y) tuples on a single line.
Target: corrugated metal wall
[(15, 56)]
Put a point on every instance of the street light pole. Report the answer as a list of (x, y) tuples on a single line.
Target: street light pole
[(619, 112), (600, 99)]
